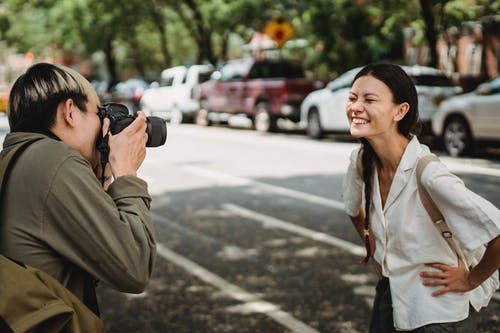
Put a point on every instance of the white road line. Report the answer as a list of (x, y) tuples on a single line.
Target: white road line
[(269, 221), (468, 168), (251, 301), (241, 181)]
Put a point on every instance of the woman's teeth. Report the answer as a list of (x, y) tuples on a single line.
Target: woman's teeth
[(359, 121)]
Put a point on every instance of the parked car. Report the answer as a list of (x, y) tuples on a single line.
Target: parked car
[(323, 111), (129, 92), (101, 87), (174, 97), (463, 120), (263, 90)]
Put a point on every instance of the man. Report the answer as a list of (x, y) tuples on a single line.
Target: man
[(55, 214)]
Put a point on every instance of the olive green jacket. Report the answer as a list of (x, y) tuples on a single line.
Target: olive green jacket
[(56, 216)]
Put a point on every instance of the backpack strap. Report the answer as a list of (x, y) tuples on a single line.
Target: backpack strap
[(7, 159), (430, 206)]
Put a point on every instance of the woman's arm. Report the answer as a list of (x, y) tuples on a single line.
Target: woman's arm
[(459, 279), (358, 222)]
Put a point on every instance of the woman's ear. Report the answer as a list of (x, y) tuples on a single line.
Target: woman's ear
[(401, 112)]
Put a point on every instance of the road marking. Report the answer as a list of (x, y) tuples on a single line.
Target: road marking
[(184, 230), (467, 167), (241, 181), (318, 236), (269, 221), (255, 303)]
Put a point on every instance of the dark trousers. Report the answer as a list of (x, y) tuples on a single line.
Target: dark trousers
[(382, 320)]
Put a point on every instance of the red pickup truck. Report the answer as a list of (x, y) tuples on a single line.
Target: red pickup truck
[(263, 90)]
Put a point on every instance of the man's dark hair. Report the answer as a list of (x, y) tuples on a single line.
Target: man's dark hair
[(36, 94)]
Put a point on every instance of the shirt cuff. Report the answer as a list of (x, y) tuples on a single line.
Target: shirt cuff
[(128, 186)]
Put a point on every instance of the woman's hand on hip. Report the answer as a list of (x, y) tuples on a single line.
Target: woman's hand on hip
[(453, 279)]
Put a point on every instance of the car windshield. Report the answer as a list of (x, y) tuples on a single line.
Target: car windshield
[(432, 80), (344, 80)]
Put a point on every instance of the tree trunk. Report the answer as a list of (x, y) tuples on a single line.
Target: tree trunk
[(110, 62), (158, 19), (133, 40), (203, 35), (430, 30)]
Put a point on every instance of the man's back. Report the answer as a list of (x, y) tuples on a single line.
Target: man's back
[(57, 217)]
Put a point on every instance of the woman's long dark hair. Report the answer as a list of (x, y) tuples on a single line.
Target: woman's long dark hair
[(403, 90)]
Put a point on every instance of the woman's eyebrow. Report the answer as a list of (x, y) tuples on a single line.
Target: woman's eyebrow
[(368, 94)]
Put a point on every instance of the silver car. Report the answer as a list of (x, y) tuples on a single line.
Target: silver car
[(463, 120), (323, 110)]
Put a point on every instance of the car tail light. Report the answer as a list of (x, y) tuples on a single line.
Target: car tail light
[(137, 95), (284, 93)]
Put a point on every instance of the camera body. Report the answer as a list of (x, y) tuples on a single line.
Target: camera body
[(119, 118)]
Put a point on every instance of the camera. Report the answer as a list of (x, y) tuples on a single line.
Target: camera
[(120, 117)]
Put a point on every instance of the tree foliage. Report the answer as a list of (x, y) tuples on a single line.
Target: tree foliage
[(146, 36)]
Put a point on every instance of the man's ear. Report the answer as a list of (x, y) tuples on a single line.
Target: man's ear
[(67, 109), (403, 109)]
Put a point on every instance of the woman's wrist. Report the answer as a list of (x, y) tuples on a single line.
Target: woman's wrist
[(471, 281)]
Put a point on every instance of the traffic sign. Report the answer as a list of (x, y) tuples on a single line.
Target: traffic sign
[(279, 30)]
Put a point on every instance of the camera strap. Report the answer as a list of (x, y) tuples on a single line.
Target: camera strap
[(103, 148)]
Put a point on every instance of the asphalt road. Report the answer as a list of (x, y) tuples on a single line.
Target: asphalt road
[(253, 237)]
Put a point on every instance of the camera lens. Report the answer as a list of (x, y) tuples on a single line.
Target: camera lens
[(157, 131)]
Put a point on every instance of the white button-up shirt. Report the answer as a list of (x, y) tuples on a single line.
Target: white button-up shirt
[(406, 238)]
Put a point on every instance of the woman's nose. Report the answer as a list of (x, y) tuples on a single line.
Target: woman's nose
[(355, 106)]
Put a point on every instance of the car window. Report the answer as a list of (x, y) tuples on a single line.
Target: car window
[(234, 70), (204, 76), (432, 80), (166, 81), (344, 80), (267, 70)]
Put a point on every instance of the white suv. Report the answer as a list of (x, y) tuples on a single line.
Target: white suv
[(465, 119), (174, 97)]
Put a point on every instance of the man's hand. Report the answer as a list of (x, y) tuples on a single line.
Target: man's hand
[(128, 148), (453, 279)]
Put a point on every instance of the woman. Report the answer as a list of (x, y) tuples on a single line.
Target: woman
[(423, 286)]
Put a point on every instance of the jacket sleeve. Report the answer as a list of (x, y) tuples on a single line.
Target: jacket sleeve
[(352, 194), (473, 220), (110, 235)]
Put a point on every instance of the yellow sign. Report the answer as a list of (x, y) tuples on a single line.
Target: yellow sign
[(279, 30)]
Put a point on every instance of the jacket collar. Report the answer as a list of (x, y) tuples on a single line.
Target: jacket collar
[(14, 138), (404, 171)]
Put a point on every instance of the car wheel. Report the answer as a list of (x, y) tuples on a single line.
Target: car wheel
[(202, 118), (263, 121), (314, 129), (457, 139), (176, 116)]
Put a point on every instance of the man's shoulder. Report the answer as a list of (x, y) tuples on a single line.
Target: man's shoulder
[(45, 152)]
